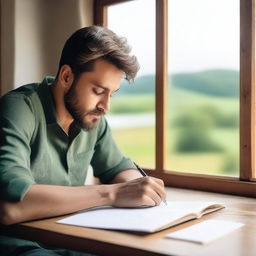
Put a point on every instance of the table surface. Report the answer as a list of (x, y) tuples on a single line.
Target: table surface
[(241, 242)]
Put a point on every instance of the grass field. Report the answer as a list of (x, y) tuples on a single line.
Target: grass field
[(182, 99), (139, 143), (178, 100), (133, 104)]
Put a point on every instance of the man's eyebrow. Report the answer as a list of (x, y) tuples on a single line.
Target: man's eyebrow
[(104, 88)]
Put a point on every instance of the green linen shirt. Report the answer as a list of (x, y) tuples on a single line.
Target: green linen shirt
[(34, 149)]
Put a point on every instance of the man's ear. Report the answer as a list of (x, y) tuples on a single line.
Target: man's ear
[(66, 77)]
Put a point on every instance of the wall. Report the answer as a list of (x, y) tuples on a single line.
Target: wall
[(7, 45), (33, 33)]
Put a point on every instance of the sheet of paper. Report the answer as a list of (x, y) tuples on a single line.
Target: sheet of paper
[(206, 231), (147, 219)]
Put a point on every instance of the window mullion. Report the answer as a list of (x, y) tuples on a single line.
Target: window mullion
[(253, 177), (100, 13), (247, 89), (161, 83)]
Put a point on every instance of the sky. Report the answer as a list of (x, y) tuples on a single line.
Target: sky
[(202, 34)]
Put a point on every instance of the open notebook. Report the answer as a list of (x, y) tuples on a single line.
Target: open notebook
[(147, 219)]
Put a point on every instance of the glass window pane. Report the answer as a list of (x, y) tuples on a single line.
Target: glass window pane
[(132, 115), (204, 86)]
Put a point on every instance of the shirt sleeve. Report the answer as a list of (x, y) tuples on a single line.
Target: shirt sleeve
[(107, 160), (16, 130)]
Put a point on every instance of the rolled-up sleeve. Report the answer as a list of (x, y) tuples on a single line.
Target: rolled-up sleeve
[(16, 130), (108, 160)]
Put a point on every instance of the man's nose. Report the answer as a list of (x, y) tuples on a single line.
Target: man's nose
[(105, 103)]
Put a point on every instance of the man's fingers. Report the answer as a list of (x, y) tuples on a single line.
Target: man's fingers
[(142, 191), (158, 181), (149, 193), (148, 201), (159, 188), (154, 188)]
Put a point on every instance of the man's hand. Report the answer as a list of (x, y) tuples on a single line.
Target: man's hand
[(146, 191)]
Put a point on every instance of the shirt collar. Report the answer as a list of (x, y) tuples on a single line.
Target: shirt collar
[(47, 100)]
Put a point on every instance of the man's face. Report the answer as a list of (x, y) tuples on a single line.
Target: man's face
[(89, 96)]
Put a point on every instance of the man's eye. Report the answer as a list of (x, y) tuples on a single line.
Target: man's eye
[(98, 91)]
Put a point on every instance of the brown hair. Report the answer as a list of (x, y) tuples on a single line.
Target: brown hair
[(94, 42)]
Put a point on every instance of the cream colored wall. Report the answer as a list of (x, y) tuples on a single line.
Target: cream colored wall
[(32, 36)]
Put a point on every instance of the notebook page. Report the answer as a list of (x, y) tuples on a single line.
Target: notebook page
[(206, 231), (147, 219)]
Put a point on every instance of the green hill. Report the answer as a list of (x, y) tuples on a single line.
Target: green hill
[(142, 85), (179, 100), (221, 83)]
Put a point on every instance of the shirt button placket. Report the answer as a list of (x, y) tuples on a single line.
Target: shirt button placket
[(69, 165)]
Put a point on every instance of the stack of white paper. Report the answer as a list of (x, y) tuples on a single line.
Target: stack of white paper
[(206, 231)]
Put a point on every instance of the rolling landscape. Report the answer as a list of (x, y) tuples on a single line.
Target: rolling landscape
[(203, 121)]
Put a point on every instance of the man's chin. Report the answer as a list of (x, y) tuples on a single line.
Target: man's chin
[(87, 126)]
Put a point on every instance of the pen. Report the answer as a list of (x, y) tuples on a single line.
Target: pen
[(144, 174)]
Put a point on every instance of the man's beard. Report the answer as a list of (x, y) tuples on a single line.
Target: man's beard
[(72, 106)]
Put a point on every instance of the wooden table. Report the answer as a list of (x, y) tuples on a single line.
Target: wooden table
[(241, 242)]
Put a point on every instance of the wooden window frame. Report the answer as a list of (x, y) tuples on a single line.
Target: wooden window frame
[(245, 184)]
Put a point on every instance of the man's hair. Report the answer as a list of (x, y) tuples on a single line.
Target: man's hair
[(91, 43)]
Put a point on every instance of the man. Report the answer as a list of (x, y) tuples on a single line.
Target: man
[(51, 132)]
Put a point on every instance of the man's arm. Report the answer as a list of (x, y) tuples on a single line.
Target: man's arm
[(48, 200), (126, 175), (43, 201)]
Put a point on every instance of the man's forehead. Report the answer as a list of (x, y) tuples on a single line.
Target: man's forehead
[(107, 68), (104, 75)]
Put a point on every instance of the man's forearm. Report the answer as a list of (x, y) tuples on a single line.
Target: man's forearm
[(43, 201)]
